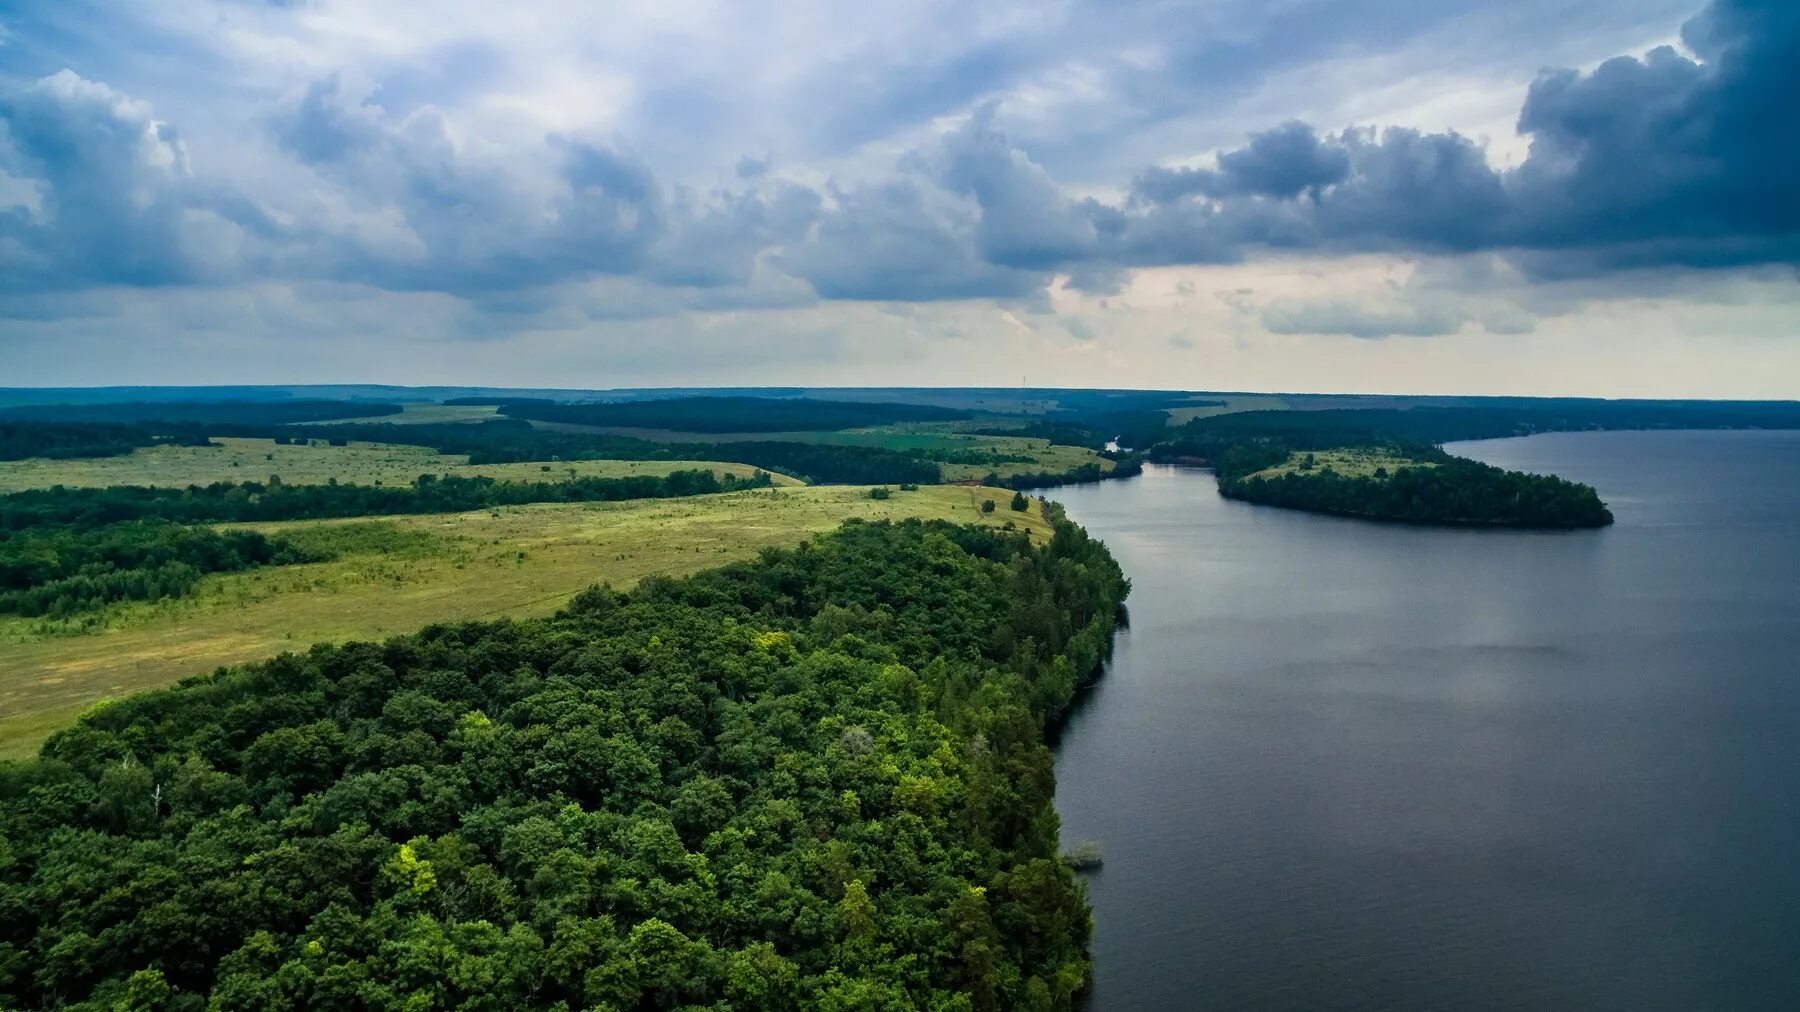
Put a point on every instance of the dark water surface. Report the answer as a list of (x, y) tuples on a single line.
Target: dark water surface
[(1346, 765)]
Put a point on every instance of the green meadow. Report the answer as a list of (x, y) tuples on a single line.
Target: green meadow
[(397, 575), (242, 460), (1359, 462)]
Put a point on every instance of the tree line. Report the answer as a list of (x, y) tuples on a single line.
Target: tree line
[(223, 502), (201, 413), (730, 414), (1081, 474), (57, 571), (515, 441), (814, 781), (64, 441)]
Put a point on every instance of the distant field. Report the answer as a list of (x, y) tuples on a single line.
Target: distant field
[(357, 463), (1244, 402), (915, 436), (1349, 463), (419, 414), (514, 562), (895, 438), (1046, 456)]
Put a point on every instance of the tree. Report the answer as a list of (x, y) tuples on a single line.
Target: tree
[(987, 505), (1020, 503)]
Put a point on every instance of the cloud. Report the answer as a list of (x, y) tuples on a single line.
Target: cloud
[(903, 241), (1285, 162), (1642, 162), (350, 175), (117, 199)]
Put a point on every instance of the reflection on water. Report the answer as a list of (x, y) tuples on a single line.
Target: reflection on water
[(1348, 765)]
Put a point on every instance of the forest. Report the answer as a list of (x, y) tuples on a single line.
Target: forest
[(818, 780), (1455, 491), (732, 414), (22, 440), (223, 502), (56, 571)]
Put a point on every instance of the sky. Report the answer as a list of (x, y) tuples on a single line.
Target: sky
[(1409, 196)]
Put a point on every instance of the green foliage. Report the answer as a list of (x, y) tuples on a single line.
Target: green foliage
[(1081, 474), (880, 492), (57, 571), (1454, 491), (22, 440), (515, 441), (818, 780), (1457, 491), (1019, 502), (255, 501)]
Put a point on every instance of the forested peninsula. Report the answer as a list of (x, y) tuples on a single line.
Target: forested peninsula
[(1380, 465), (818, 780)]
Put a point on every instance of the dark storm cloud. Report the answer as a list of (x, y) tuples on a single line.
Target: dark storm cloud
[(1284, 162), (1669, 159), (1642, 162)]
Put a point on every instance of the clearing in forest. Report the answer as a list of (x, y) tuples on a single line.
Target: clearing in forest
[(398, 574)]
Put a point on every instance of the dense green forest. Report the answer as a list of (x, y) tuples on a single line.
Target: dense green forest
[(21, 440), (199, 412), (56, 571), (256, 501), (816, 781), (1457, 491), (732, 414)]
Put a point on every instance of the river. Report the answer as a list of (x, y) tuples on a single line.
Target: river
[(1346, 765)]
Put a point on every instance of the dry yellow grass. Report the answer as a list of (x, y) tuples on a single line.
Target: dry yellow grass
[(513, 562)]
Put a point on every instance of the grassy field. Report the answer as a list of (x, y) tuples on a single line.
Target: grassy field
[(358, 463), (397, 575), (418, 414), (1353, 463), (887, 437), (1242, 402), (1044, 455)]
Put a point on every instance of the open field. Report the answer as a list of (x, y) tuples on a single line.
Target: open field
[(913, 436), (1046, 456), (419, 414), (888, 437), (1240, 402), (514, 562), (357, 463), (1352, 463)]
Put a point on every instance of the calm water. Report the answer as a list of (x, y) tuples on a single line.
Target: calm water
[(1343, 765)]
